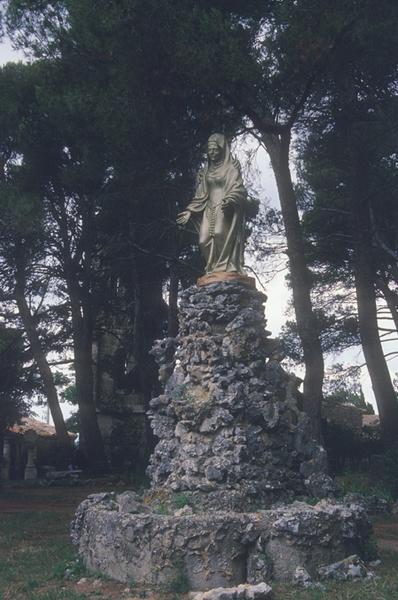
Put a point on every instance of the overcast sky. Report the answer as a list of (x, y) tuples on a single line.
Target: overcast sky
[(8, 54)]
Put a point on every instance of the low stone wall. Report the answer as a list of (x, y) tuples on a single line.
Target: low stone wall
[(124, 539)]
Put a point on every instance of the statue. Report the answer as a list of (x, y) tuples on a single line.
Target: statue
[(219, 209)]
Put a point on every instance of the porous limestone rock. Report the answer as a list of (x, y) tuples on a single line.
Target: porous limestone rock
[(373, 504), (351, 567), (231, 432), (214, 549), (301, 578), (244, 591)]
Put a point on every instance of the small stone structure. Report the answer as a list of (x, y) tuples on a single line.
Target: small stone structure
[(27, 446), (120, 405), (234, 448)]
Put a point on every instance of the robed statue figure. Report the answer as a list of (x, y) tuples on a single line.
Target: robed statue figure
[(218, 210)]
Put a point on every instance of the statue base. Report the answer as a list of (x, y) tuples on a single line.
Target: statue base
[(233, 446), (153, 544), (226, 276), (232, 435)]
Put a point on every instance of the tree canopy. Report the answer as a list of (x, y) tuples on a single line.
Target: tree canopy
[(100, 137)]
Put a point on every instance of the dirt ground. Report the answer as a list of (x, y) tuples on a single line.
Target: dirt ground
[(386, 532), (62, 500)]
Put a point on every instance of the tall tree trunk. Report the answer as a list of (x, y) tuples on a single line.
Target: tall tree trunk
[(391, 299), (365, 277), (278, 149), (40, 359), (82, 347), (150, 311), (82, 332), (372, 348), (2, 435)]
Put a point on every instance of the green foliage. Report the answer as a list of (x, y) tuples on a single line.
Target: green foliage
[(180, 500), (342, 385), (102, 137), (390, 474), (16, 383), (32, 584), (68, 394), (362, 483), (161, 508), (338, 330), (312, 500), (347, 447), (347, 166), (72, 423), (179, 584), (74, 569), (136, 479), (181, 394), (57, 595)]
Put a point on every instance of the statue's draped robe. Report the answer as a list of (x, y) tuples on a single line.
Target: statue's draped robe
[(221, 232)]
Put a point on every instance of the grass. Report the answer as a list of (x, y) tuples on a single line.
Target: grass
[(180, 583), (180, 500), (361, 483), (35, 552), (33, 546)]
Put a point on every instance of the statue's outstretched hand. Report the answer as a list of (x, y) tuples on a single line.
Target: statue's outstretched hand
[(183, 217)]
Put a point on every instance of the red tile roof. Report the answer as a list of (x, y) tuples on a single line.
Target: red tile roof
[(39, 427)]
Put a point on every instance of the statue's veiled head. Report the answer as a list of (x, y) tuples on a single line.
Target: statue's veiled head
[(216, 147)]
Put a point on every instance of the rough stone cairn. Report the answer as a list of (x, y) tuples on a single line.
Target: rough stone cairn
[(234, 448), (231, 433)]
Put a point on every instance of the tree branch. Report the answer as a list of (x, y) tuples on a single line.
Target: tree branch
[(319, 68)]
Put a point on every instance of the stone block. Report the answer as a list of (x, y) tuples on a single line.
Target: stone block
[(262, 591), (351, 567)]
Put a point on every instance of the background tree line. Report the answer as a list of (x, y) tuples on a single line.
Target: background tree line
[(100, 137)]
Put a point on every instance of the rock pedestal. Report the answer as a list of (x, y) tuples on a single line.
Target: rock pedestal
[(233, 441), (128, 541), (232, 435)]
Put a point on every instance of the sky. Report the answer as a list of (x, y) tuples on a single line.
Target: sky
[(8, 54), (279, 296), (276, 289)]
